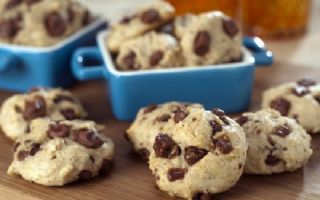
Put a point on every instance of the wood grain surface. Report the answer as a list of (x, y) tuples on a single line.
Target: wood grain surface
[(131, 179)]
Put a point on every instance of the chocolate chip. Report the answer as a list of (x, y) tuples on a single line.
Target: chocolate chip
[(87, 138), (55, 24), (130, 60), (242, 120), (156, 57), (150, 16), (58, 130), (282, 105), (282, 131), (300, 91), (230, 27), (69, 114), (144, 153), (202, 196), (223, 144), (16, 146), (12, 3), (85, 174), (163, 118), (105, 167), (216, 126), (22, 155), (126, 19), (179, 114), (202, 43), (165, 147), (272, 160), (306, 82), (60, 97), (176, 174), (194, 154), (150, 108), (35, 147), (34, 108), (30, 2), (86, 18), (220, 113), (9, 28)]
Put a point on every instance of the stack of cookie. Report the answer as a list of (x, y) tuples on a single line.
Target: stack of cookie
[(194, 153), (53, 143), (40, 22), (154, 38)]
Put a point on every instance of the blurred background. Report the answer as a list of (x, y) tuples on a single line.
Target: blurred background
[(289, 27)]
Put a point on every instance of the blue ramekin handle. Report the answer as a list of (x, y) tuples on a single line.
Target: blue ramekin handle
[(7, 59), (83, 70), (262, 56)]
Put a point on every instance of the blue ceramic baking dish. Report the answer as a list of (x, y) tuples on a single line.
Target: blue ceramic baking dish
[(23, 67), (227, 86)]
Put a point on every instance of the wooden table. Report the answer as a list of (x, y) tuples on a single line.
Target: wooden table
[(131, 178)]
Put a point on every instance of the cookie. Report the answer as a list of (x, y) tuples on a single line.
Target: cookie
[(183, 23), (40, 23), (57, 153), (200, 155), (146, 19), (18, 110), (214, 38), (299, 100), (162, 51), (151, 120), (276, 143)]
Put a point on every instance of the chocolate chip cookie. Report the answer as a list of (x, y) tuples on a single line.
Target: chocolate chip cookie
[(151, 120), (162, 51), (214, 38), (40, 23), (194, 153), (146, 19), (276, 143), (299, 100), (19, 110), (55, 153)]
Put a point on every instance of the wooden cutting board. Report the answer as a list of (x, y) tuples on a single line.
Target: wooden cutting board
[(131, 178)]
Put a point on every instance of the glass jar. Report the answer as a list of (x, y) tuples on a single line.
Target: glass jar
[(275, 18)]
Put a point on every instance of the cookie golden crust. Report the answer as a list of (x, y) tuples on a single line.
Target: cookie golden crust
[(19, 110), (57, 153), (276, 143), (40, 23), (146, 19), (299, 100)]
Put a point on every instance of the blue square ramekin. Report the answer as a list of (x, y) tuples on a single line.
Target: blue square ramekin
[(24, 67), (227, 86)]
